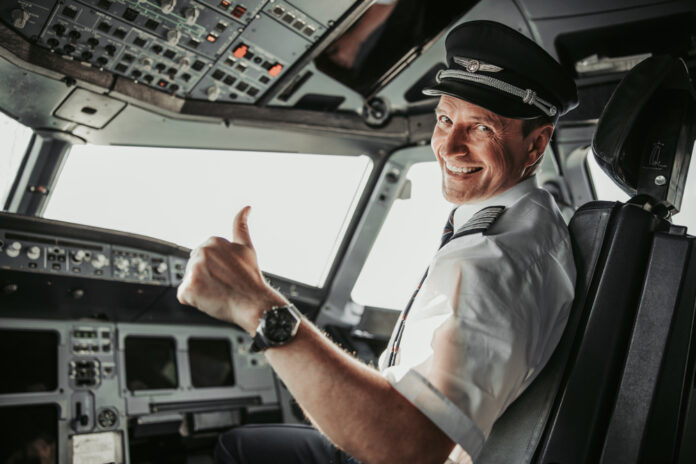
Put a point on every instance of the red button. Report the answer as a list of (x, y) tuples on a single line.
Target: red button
[(211, 38), (224, 4), (240, 51), (238, 11), (275, 69)]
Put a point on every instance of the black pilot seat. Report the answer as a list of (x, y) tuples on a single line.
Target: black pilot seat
[(620, 386)]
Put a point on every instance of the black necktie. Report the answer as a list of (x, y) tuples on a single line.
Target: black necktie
[(446, 237)]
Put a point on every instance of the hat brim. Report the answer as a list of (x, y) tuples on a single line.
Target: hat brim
[(492, 100)]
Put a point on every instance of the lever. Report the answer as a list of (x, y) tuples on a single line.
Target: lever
[(80, 418)]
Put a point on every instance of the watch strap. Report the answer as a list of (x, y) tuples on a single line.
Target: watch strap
[(259, 343)]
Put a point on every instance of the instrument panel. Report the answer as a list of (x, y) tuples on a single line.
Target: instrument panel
[(86, 373), (66, 382), (216, 50), (65, 256)]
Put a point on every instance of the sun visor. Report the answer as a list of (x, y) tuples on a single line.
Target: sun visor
[(645, 135)]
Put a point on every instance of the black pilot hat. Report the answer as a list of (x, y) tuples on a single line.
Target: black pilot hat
[(501, 70)]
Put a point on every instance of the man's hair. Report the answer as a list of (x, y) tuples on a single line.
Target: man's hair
[(528, 125)]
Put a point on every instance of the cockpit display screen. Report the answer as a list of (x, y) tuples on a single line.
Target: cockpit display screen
[(150, 363), (29, 434), (211, 362), (28, 361)]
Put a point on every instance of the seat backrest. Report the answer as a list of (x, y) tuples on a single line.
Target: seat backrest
[(517, 432), (591, 392)]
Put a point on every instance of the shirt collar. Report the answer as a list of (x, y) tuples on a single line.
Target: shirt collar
[(506, 198)]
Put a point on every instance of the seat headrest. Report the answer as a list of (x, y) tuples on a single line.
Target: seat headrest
[(646, 133)]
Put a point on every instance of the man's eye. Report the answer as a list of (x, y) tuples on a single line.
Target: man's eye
[(483, 128), (443, 119)]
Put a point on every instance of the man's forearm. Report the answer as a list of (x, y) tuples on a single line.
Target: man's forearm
[(353, 404)]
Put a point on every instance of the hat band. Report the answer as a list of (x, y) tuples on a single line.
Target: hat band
[(528, 96)]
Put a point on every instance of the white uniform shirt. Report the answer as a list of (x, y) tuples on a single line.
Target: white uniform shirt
[(487, 318)]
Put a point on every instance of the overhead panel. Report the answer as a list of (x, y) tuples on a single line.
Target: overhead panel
[(217, 50), (258, 56)]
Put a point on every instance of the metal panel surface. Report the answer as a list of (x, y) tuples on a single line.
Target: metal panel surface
[(322, 10), (541, 9)]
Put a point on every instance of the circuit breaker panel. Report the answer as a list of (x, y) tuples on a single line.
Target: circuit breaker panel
[(216, 50)]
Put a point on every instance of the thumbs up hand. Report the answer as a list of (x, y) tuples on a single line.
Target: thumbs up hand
[(223, 279)]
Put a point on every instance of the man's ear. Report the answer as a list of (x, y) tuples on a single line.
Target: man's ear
[(538, 140)]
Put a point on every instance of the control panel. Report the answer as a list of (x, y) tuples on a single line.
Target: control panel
[(223, 50), (58, 255), (75, 380), (92, 377)]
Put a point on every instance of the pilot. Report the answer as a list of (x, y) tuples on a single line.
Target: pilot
[(488, 314)]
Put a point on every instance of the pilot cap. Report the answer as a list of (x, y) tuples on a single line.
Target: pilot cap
[(501, 70)]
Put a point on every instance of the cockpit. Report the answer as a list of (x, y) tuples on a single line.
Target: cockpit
[(135, 129)]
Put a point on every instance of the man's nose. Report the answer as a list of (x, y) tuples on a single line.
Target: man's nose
[(456, 143)]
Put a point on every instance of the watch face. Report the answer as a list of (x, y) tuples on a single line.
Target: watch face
[(279, 325)]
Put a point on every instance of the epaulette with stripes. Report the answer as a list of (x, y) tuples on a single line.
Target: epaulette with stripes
[(480, 222)]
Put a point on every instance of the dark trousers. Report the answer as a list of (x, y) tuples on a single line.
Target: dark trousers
[(278, 444)]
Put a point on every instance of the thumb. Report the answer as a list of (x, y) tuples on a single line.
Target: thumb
[(240, 233)]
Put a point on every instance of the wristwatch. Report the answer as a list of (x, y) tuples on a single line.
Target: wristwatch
[(277, 326)]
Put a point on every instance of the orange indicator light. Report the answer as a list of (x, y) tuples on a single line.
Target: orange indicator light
[(240, 51), (275, 69)]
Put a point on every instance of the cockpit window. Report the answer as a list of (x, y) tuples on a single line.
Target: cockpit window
[(405, 245), (606, 189), (15, 137), (301, 204)]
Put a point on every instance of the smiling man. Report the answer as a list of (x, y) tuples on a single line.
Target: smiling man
[(487, 315)]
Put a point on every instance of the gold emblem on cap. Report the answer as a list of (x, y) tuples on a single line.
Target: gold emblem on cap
[(473, 65)]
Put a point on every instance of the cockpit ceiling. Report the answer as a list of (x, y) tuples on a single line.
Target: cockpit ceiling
[(352, 68), (214, 50)]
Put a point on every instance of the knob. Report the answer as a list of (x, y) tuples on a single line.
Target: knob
[(141, 266), (107, 418), (77, 293), (191, 15), (10, 289), (59, 29), (161, 268), (173, 36), (19, 18), (168, 6), (34, 252), (78, 256), (99, 261), (213, 93), (121, 264), (74, 36), (13, 249), (184, 63), (146, 62)]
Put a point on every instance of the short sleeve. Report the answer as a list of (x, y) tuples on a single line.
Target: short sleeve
[(499, 316)]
